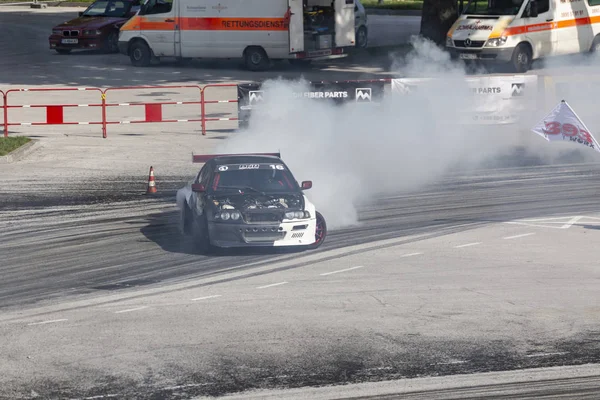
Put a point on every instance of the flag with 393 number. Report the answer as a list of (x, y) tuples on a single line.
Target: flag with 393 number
[(562, 124)]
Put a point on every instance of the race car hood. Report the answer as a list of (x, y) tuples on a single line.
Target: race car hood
[(479, 28)]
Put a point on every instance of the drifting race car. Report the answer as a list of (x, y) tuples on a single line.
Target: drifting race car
[(248, 200)]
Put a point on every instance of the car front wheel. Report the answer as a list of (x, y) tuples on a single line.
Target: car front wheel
[(320, 232)]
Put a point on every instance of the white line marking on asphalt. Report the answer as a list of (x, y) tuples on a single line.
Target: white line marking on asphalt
[(341, 270), (411, 254), (518, 236), (572, 221), (207, 297), (547, 354), (274, 284), (467, 245), (130, 310), (48, 322)]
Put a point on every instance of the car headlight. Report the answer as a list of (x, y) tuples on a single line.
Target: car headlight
[(449, 42), (57, 32), (297, 215), (92, 33), (235, 215), (496, 42)]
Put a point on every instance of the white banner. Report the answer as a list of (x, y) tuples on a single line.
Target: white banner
[(562, 124), (497, 99)]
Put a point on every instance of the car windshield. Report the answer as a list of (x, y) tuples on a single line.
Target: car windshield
[(108, 8), (494, 7), (257, 178)]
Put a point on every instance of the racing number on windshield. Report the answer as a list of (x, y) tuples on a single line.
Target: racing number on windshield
[(569, 130), (276, 166)]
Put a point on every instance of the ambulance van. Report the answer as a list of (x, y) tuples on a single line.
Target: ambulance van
[(520, 31), (258, 31)]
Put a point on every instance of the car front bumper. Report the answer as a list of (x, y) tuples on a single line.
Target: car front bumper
[(293, 233), (83, 43), (490, 55)]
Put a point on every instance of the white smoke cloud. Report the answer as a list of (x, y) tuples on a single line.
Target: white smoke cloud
[(356, 151)]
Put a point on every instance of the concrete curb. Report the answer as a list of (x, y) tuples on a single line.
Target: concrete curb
[(21, 152), (384, 11)]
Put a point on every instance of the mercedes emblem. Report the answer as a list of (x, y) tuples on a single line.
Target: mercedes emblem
[(468, 42)]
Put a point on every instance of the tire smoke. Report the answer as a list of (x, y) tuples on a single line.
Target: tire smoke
[(356, 151)]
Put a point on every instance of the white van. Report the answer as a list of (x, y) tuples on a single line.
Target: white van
[(257, 30), (520, 31)]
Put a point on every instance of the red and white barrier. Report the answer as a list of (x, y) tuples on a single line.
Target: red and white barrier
[(54, 113), (204, 101), (154, 111)]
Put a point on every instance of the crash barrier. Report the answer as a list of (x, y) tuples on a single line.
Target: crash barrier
[(4, 111), (205, 102), (54, 113), (153, 111), (251, 95), (498, 99)]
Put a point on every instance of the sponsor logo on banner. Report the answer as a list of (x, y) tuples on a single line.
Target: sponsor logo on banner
[(255, 96), (363, 95), (562, 124), (516, 89), (323, 95)]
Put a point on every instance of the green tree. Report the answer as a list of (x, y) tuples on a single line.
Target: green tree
[(437, 17)]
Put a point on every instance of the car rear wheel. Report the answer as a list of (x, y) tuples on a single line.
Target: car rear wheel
[(320, 232), (140, 54), (112, 42), (63, 51)]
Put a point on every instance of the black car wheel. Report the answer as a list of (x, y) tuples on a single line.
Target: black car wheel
[(140, 54), (185, 226), (201, 236), (63, 51), (320, 233), (112, 42), (596, 45)]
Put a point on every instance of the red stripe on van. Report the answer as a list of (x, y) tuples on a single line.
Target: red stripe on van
[(233, 24)]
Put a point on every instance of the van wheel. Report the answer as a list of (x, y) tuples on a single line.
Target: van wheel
[(521, 58), (596, 45), (256, 59), (140, 54), (361, 38)]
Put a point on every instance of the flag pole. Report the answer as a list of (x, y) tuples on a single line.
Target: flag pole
[(583, 123)]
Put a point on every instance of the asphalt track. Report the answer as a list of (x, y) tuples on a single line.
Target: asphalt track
[(56, 244)]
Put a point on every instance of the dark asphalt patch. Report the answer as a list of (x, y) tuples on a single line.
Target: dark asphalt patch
[(352, 359)]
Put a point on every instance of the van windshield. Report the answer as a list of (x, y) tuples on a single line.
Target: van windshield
[(494, 7)]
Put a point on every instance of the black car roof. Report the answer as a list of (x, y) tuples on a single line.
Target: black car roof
[(245, 159)]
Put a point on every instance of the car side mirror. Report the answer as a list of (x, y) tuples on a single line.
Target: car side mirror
[(533, 9), (198, 188), (80, 13), (306, 185)]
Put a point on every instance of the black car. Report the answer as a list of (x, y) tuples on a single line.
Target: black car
[(248, 200)]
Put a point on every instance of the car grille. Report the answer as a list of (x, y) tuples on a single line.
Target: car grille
[(263, 235), (474, 43), (71, 33), (263, 217)]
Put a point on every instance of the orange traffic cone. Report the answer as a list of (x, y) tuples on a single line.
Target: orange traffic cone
[(151, 183)]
